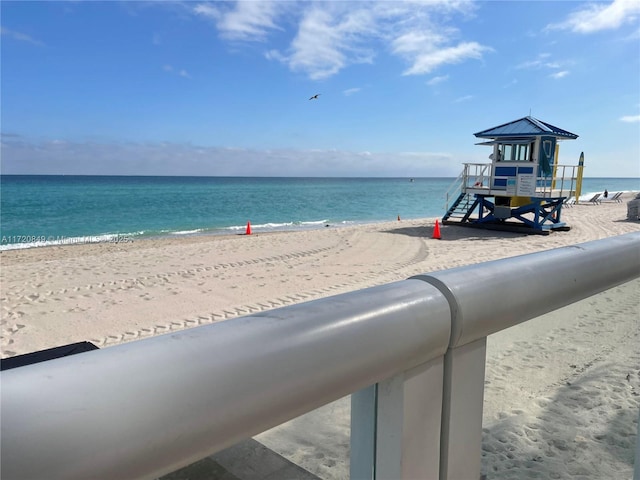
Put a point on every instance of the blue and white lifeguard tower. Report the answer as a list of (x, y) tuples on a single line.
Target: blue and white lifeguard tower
[(523, 188)]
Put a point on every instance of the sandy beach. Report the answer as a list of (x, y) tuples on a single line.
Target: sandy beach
[(562, 391)]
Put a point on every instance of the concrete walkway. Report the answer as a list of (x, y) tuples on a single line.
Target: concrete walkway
[(247, 460)]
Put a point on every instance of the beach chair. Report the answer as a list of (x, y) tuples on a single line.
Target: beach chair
[(569, 202), (616, 198), (595, 199)]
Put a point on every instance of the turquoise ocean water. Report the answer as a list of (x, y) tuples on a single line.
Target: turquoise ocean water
[(45, 210)]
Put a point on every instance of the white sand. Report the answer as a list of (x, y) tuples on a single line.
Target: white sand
[(563, 391), (558, 401)]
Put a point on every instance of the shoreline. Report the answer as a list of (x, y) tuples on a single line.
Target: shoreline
[(232, 231), (236, 231), (109, 293), (170, 240), (9, 242)]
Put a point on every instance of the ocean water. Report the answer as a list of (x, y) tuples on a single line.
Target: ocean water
[(45, 210)]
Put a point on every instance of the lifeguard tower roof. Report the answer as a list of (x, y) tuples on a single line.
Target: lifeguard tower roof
[(525, 127)]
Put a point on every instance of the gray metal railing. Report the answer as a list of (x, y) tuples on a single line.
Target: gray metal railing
[(472, 173), (562, 184), (565, 180), (454, 190), (413, 351)]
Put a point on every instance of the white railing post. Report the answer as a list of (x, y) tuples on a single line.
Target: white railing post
[(363, 433), (462, 411), (396, 426), (423, 419), (636, 467)]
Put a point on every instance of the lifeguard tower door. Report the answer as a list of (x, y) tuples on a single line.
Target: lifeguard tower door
[(546, 156)]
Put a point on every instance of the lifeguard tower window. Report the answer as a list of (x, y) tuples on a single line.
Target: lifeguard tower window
[(521, 152)]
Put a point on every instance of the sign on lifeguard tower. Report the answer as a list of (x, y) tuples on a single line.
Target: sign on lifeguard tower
[(523, 188), (526, 185)]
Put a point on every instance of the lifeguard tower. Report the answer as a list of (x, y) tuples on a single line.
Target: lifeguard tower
[(523, 188)]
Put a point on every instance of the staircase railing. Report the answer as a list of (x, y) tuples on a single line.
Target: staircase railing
[(480, 174), (454, 190), (472, 174)]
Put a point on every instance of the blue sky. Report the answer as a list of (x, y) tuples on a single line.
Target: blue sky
[(222, 88)]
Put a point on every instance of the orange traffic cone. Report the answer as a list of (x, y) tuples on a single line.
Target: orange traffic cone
[(436, 231), (248, 232)]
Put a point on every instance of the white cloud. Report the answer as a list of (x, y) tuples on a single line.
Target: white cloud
[(275, 55), (412, 43), (328, 39), (427, 42), (466, 98), (317, 47), (438, 80), (351, 91), (630, 118), (428, 61), (331, 36), (634, 36), (21, 156), (598, 16), (541, 61), (22, 37), (246, 20), (182, 73), (544, 62), (207, 10)]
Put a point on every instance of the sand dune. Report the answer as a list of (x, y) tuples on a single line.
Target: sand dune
[(542, 376)]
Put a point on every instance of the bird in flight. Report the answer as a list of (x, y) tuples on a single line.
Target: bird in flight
[(315, 97)]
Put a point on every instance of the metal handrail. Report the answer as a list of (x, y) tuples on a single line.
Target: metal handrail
[(454, 189), (476, 171), (481, 172), (572, 177), (147, 408), (532, 285)]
